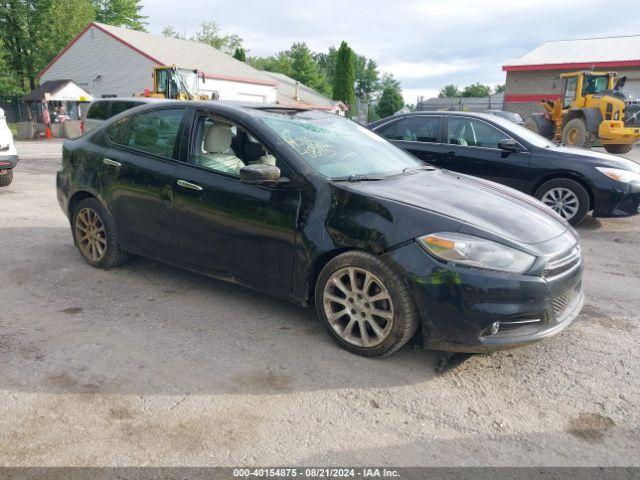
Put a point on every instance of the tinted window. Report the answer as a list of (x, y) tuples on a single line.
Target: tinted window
[(98, 111), (473, 133), (570, 91), (119, 107), (413, 129), (115, 131), (154, 132)]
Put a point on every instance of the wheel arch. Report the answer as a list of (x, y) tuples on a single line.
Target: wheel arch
[(317, 266), (569, 176)]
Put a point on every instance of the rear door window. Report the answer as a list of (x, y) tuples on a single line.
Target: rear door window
[(98, 111), (413, 129), (473, 133), (155, 132)]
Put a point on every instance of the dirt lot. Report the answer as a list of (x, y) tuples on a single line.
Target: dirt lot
[(150, 365)]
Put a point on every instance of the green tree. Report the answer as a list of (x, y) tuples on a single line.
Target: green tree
[(327, 63), (240, 54), (476, 90), (305, 69), (391, 99), (279, 63), (499, 88), (34, 31), (171, 32), (367, 79), (210, 33), (120, 13), (345, 77), (449, 91)]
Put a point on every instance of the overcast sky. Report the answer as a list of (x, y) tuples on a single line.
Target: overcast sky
[(425, 43)]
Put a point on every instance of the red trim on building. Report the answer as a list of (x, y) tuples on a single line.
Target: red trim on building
[(538, 97), (77, 37), (228, 78), (568, 66)]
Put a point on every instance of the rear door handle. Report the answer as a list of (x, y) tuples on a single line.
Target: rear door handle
[(192, 186), (112, 163), (451, 155)]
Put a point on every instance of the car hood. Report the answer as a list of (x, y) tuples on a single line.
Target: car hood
[(485, 205), (599, 158)]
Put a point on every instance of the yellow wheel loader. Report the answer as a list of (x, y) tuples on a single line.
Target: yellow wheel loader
[(177, 84), (591, 107)]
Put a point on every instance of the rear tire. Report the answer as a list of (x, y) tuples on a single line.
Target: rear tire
[(575, 134), (7, 178), (566, 197), (618, 148), (364, 305), (95, 235)]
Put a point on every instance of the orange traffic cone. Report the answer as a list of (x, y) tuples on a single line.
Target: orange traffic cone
[(47, 132)]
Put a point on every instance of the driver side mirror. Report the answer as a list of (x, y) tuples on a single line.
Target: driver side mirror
[(260, 174), (508, 145)]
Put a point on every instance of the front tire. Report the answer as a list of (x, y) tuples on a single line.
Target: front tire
[(7, 178), (617, 148), (364, 305), (566, 197), (96, 236), (575, 134)]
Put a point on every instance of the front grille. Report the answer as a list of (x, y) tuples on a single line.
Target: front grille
[(561, 303), (563, 264)]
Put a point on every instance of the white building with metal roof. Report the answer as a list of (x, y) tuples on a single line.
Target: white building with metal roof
[(111, 61), (535, 75)]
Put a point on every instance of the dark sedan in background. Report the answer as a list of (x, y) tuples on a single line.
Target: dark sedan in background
[(315, 208), (571, 181)]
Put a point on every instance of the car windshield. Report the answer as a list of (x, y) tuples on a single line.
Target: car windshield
[(336, 147), (522, 132)]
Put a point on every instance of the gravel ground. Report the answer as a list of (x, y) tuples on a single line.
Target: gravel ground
[(150, 365)]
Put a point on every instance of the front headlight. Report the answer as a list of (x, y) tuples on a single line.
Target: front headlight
[(624, 176), (476, 252)]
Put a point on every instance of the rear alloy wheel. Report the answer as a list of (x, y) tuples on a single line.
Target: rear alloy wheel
[(575, 134), (566, 197), (6, 178), (618, 148), (95, 235), (364, 305)]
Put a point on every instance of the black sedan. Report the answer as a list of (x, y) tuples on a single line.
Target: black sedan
[(319, 210), (571, 181)]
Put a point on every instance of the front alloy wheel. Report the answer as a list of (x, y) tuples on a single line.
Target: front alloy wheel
[(358, 307), (365, 304), (563, 201)]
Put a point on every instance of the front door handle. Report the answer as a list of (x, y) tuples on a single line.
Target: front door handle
[(112, 163), (451, 155), (192, 186)]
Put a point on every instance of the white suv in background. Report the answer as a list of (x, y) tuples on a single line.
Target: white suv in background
[(8, 152)]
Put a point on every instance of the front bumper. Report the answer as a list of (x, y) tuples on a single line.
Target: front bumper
[(8, 161), (622, 200), (458, 305)]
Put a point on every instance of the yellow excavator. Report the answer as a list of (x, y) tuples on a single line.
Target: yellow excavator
[(177, 84), (591, 107)]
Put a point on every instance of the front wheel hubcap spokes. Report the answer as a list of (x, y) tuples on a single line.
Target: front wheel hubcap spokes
[(91, 235), (563, 201), (358, 306)]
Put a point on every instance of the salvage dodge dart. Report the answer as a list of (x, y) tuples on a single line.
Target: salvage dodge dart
[(314, 208)]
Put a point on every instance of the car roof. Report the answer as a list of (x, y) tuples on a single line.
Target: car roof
[(484, 116), (131, 99)]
